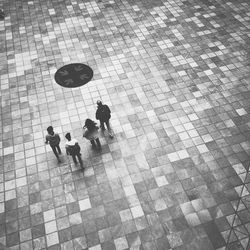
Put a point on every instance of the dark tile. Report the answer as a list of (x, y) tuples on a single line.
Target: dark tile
[(34, 197), (244, 216), (55, 247), (101, 223), (133, 239), (2, 218), (162, 243), (36, 219), (23, 212), (129, 227), (187, 236), (157, 231), (121, 204), (149, 245), (11, 215), (92, 239), (73, 208), (175, 212), (222, 224), (108, 245), (2, 230), (150, 183), (141, 223), (10, 205), (164, 215), (113, 219), (117, 231), (180, 223), (24, 223), (89, 226), (12, 239), (64, 235), (77, 231), (96, 200), (12, 227), (214, 234), (140, 187), (38, 231), (146, 235)]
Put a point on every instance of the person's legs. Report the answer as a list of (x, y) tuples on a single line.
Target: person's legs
[(102, 125), (55, 152), (79, 159), (93, 143), (58, 149), (109, 128), (74, 159), (108, 125), (98, 142)]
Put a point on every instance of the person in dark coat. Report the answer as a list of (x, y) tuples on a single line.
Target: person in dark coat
[(103, 114), (54, 140)]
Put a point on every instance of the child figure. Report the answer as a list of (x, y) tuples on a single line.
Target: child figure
[(91, 133)]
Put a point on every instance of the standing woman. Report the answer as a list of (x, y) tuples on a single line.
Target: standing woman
[(91, 133)]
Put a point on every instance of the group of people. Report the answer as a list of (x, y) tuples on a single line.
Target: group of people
[(91, 132)]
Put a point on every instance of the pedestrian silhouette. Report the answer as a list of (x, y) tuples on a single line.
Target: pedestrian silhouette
[(91, 133), (103, 114), (73, 149), (53, 139), (2, 14)]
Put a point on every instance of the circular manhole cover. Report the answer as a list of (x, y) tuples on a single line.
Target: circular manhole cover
[(73, 75)]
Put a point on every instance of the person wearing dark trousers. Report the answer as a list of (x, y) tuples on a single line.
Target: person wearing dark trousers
[(54, 140), (103, 114), (91, 133), (73, 149), (2, 14)]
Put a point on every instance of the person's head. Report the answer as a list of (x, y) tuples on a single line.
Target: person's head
[(50, 130), (68, 136), (99, 103), (89, 124)]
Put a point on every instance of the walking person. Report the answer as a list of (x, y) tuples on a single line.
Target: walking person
[(103, 114), (2, 14), (73, 149), (91, 133), (54, 140)]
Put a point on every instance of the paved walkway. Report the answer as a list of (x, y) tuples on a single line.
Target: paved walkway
[(176, 76)]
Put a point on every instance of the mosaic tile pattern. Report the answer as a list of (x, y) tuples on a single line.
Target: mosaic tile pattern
[(176, 77)]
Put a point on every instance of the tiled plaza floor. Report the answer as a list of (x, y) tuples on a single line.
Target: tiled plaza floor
[(176, 75)]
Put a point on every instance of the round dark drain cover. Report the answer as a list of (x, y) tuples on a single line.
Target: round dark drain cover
[(73, 75)]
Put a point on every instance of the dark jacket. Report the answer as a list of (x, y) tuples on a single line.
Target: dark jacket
[(53, 140), (103, 113)]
